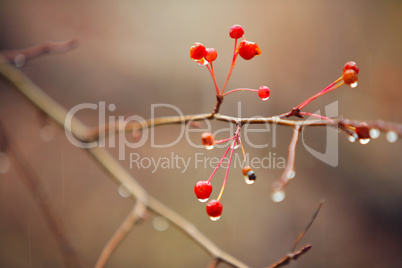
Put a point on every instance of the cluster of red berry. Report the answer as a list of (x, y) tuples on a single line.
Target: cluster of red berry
[(203, 189), (248, 50)]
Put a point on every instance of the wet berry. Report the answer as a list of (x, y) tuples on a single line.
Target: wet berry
[(211, 54), (207, 139), (202, 190), (249, 175), (247, 50), (351, 65), (214, 210), (363, 131), (197, 51), (236, 31), (264, 92), (350, 77)]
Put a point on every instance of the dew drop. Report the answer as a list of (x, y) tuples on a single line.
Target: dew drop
[(160, 224), (392, 136), (278, 196), (215, 218), (19, 60), (203, 200), (247, 180), (374, 133), (264, 99), (353, 85), (124, 191), (351, 138), (291, 174), (202, 62), (364, 141), (276, 119), (235, 144), (4, 163), (209, 147)]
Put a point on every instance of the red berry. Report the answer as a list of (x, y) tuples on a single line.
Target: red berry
[(245, 170), (207, 139), (197, 51), (363, 131), (211, 54), (236, 31), (350, 77), (247, 50), (214, 209), (202, 190), (351, 65), (264, 92)]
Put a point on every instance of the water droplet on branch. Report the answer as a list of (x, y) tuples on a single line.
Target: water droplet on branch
[(392, 136), (375, 133), (278, 196), (124, 191)]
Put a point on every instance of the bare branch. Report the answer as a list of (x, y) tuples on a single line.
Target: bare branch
[(19, 57), (134, 217), (288, 173), (296, 254), (291, 256)]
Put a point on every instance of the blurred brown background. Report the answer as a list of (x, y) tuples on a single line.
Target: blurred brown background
[(134, 54)]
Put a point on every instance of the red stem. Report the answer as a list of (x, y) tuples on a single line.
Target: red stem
[(227, 171), (211, 70), (240, 89), (318, 116), (235, 53), (219, 164), (322, 92)]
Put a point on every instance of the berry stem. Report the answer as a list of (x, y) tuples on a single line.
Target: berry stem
[(240, 89), (227, 171), (224, 140), (219, 164), (318, 116), (211, 70), (235, 53), (329, 88)]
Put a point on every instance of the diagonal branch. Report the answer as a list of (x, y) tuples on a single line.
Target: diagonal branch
[(19, 57), (134, 217)]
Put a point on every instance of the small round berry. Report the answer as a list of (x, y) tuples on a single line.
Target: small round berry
[(351, 65), (236, 31), (247, 50), (249, 175), (264, 92), (197, 51), (246, 170), (350, 77), (211, 54), (203, 190), (363, 131), (214, 210), (207, 139)]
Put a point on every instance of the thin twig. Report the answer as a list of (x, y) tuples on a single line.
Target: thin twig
[(308, 226), (291, 256), (22, 55), (134, 217), (286, 176), (296, 254), (32, 181)]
